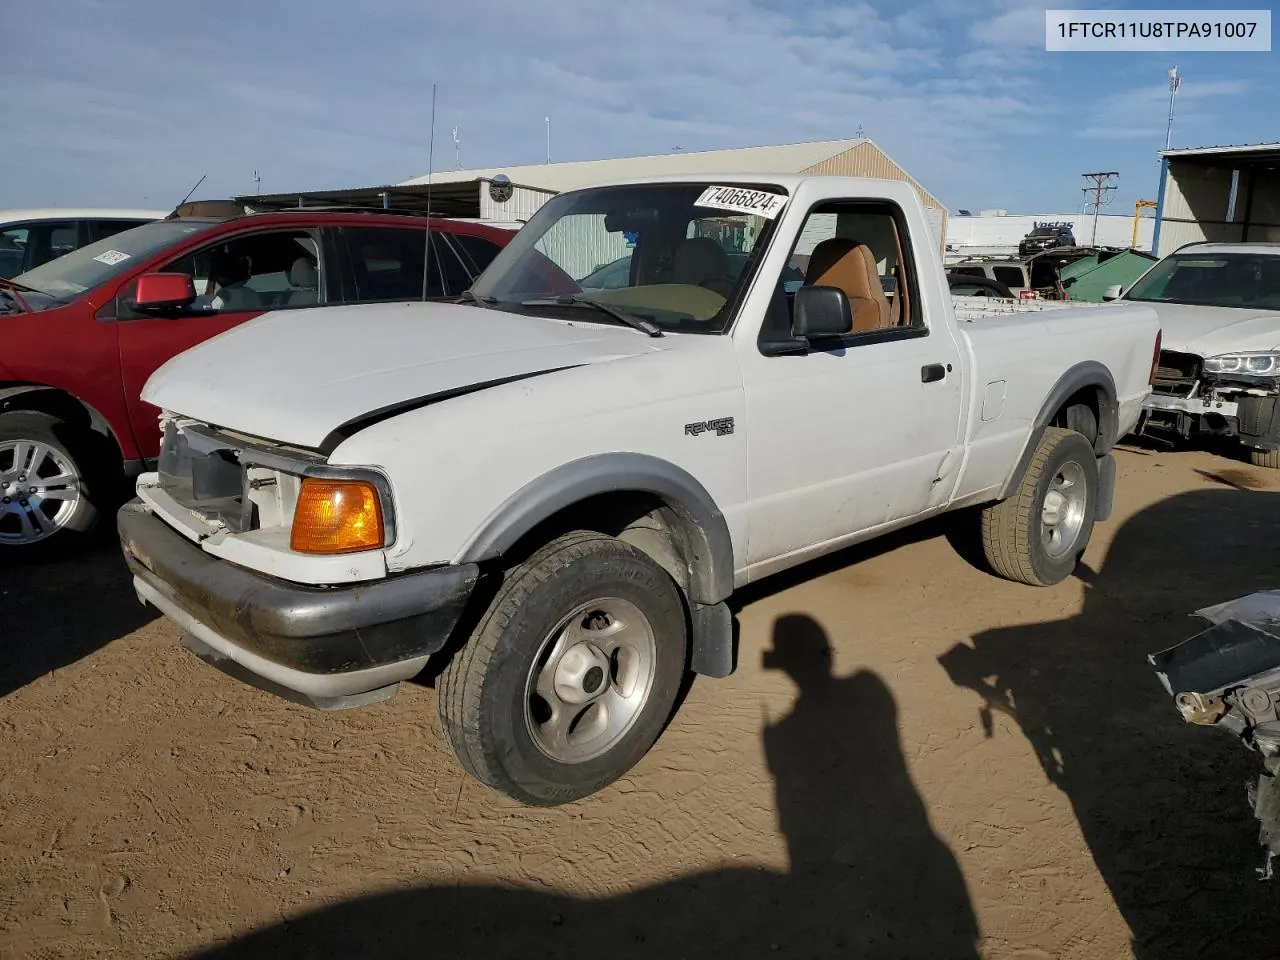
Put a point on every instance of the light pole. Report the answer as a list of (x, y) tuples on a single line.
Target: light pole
[(1175, 82)]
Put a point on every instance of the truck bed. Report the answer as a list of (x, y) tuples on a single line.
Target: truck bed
[(970, 309)]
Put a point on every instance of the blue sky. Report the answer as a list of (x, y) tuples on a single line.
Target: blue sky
[(130, 101)]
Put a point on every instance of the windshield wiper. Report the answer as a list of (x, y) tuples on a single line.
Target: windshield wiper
[(469, 296), (570, 300)]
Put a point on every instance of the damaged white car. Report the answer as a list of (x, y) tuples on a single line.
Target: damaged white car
[(1219, 372)]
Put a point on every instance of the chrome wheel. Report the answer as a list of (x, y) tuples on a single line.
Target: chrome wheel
[(39, 491), (591, 680), (1063, 515)]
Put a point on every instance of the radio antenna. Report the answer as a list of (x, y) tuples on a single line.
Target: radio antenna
[(431, 151), (189, 193)]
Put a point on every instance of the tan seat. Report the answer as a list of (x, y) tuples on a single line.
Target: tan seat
[(699, 259), (849, 265)]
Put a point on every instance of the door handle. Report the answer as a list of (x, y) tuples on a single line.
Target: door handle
[(932, 373)]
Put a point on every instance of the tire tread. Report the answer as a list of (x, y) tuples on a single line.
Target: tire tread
[(459, 690), (1006, 525)]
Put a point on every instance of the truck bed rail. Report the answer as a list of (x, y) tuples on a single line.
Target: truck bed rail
[(970, 309)]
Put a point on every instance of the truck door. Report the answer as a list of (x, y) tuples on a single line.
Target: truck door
[(863, 430)]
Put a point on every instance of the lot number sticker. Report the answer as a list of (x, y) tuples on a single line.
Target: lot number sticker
[(740, 200), (111, 257)]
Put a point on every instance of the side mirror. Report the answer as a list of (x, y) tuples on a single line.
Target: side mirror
[(164, 291), (821, 312), (1112, 292)]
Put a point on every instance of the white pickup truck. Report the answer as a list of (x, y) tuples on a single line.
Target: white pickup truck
[(1219, 371), (554, 491)]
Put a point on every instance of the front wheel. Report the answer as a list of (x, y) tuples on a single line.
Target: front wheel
[(1037, 535), (570, 675), (47, 502)]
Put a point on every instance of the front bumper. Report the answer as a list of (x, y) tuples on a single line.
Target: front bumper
[(1192, 405), (327, 646)]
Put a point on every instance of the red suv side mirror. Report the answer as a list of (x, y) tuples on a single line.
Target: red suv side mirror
[(164, 291)]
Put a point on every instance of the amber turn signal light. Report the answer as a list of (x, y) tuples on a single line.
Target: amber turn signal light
[(336, 516)]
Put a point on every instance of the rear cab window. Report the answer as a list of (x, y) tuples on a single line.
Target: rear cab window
[(1010, 276)]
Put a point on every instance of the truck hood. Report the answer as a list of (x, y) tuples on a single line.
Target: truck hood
[(1210, 331), (296, 376)]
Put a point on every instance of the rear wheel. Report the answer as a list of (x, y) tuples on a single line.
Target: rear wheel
[(47, 500), (1037, 535), (571, 674)]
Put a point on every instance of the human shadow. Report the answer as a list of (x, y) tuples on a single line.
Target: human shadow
[(53, 613), (867, 877), (1161, 804), (851, 815)]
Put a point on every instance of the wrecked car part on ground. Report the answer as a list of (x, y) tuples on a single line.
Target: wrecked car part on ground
[(1228, 676)]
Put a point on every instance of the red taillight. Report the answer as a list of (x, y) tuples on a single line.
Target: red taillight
[(1155, 357)]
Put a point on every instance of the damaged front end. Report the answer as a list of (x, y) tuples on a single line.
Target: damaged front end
[(1228, 676), (1234, 395)]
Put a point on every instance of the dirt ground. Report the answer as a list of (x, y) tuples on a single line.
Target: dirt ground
[(979, 770)]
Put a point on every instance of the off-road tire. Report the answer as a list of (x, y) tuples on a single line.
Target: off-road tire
[(1265, 458), (78, 448), (481, 694), (1011, 529)]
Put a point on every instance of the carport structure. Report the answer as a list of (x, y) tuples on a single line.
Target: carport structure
[(1220, 194)]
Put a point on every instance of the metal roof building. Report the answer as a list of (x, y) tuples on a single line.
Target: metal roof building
[(1221, 194), (469, 193)]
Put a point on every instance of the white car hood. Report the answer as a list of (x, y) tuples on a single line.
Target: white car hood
[(295, 376), (1210, 331)]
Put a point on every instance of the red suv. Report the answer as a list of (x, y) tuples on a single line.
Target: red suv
[(80, 335)]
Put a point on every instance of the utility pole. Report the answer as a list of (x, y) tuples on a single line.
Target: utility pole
[(547, 120), (1102, 190), (457, 150)]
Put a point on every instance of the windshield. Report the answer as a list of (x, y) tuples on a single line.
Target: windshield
[(675, 254), (72, 274), (1248, 280)]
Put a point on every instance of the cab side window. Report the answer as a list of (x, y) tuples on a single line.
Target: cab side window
[(101, 229), (25, 247), (387, 263), (862, 249), (475, 252), (272, 270), (13, 250)]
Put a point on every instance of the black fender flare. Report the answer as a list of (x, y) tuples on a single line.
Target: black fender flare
[(1088, 374), (706, 532)]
